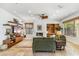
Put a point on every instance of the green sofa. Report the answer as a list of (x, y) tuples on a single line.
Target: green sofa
[(43, 44)]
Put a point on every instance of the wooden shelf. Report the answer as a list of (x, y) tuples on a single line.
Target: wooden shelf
[(10, 43), (11, 22), (9, 25), (6, 25)]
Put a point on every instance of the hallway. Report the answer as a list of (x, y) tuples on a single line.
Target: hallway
[(24, 49)]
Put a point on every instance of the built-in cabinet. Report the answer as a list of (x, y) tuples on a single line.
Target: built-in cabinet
[(51, 29)]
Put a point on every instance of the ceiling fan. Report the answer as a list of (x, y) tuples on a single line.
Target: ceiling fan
[(41, 15)]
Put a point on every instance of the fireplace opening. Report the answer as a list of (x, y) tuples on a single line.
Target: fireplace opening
[(39, 34)]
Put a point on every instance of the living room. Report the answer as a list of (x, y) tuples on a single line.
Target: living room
[(23, 26)]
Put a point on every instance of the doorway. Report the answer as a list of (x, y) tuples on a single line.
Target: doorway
[(51, 29), (29, 30)]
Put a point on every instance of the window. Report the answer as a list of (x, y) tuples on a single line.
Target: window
[(29, 28), (71, 27), (77, 27)]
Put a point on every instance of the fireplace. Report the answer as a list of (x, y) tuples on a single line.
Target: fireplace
[(39, 34)]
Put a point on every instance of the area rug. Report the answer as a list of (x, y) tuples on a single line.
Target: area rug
[(24, 44)]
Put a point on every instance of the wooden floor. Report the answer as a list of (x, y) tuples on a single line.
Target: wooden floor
[(24, 48)]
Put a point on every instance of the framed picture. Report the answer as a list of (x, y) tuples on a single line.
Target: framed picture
[(39, 27)]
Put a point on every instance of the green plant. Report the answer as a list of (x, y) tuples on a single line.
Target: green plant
[(57, 37)]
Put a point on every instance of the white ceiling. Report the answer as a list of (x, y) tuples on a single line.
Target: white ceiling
[(54, 10)]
